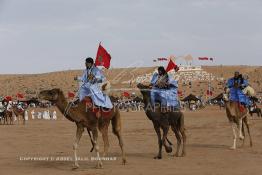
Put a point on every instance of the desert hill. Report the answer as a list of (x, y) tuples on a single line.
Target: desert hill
[(31, 84)]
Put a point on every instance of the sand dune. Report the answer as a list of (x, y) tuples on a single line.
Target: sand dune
[(33, 83)]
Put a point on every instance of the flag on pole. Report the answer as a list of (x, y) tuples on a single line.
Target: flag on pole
[(70, 95), (171, 65), (8, 98), (126, 94), (203, 58), (19, 95), (103, 58)]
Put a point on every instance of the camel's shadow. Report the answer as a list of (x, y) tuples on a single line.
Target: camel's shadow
[(197, 145)]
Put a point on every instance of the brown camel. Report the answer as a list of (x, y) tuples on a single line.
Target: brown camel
[(20, 114), (174, 118), (8, 116), (237, 119), (86, 118)]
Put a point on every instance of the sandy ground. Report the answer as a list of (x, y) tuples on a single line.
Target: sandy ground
[(209, 139)]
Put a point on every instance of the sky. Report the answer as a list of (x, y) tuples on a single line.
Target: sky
[(38, 36)]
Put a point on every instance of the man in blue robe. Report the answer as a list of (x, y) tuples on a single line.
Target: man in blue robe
[(91, 79), (164, 90), (236, 85)]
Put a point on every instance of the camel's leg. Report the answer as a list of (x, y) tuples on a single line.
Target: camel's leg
[(116, 125), (243, 131), (158, 132), (79, 132), (10, 119), (181, 126), (104, 130), (183, 133), (234, 135), (178, 138), (23, 116), (168, 148), (5, 119), (95, 137), (240, 125), (248, 130)]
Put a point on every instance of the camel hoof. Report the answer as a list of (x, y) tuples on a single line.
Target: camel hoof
[(183, 154), (75, 166), (176, 155), (158, 157), (241, 137), (99, 165), (168, 149), (232, 147), (124, 161)]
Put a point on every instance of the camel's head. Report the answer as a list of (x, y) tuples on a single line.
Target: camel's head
[(50, 95), (145, 90), (143, 87)]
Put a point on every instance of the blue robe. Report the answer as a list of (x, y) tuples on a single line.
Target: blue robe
[(167, 97), (236, 94), (91, 88)]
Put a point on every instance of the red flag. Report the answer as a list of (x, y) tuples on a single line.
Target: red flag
[(162, 59), (102, 57), (71, 95), (210, 93), (203, 58), (8, 98), (126, 94), (171, 65), (19, 95)]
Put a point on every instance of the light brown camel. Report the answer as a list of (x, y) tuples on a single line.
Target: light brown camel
[(19, 113), (237, 119), (86, 118)]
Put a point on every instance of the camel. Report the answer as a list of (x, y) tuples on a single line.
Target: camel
[(8, 116), (173, 119), (86, 118), (2, 115), (237, 118), (20, 114), (255, 111)]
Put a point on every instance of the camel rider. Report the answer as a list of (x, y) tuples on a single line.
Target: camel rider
[(164, 90), (236, 85), (9, 106), (2, 107), (91, 79), (20, 106)]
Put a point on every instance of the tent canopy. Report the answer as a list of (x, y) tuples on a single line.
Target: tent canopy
[(190, 97)]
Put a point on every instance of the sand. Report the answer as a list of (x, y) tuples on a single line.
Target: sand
[(209, 138)]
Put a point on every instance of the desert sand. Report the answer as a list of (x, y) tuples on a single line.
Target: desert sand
[(31, 84), (209, 138)]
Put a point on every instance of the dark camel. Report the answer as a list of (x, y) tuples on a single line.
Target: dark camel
[(173, 119), (86, 118), (237, 118)]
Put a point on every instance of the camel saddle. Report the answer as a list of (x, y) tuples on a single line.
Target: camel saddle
[(99, 111)]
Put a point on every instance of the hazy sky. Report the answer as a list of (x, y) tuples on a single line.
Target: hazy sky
[(50, 35)]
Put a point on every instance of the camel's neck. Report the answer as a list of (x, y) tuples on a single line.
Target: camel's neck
[(146, 99), (61, 102)]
